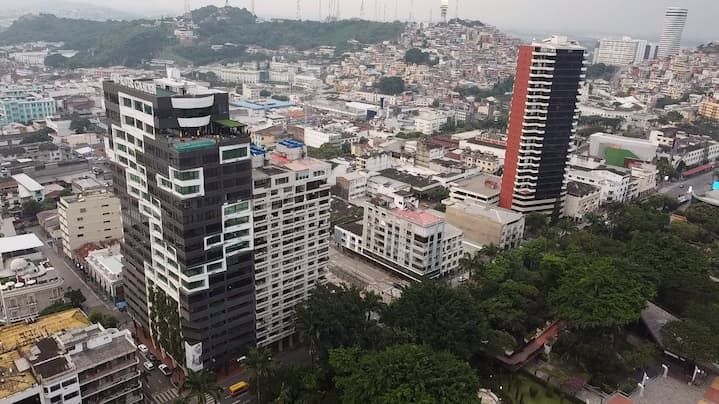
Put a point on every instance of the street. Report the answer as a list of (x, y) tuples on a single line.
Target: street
[(699, 184)]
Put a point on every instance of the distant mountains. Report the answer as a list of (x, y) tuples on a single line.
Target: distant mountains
[(131, 42), (62, 8)]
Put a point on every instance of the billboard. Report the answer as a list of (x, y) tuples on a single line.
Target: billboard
[(193, 356)]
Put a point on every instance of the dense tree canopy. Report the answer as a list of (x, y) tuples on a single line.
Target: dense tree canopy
[(392, 85), (601, 71), (417, 56), (403, 374)]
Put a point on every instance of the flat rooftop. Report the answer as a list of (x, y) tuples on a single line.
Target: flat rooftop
[(486, 185), (18, 243), (91, 357), (580, 189), (27, 182), (415, 181), (417, 216), (493, 213)]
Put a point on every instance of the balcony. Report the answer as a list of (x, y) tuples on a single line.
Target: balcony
[(115, 366), (108, 384)]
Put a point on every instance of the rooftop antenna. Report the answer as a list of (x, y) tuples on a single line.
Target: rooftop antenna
[(456, 9), (362, 10), (299, 11)]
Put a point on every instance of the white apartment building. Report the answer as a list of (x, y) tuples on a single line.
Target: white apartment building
[(236, 75), (374, 161), (644, 179), (89, 218), (28, 188), (581, 200), (429, 122), (413, 242), (620, 52), (105, 268), (291, 208), (615, 185), (353, 186)]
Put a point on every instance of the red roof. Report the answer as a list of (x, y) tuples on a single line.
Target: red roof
[(619, 399), (697, 170)]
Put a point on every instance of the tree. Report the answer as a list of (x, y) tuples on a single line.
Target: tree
[(392, 85), (56, 61), (417, 57), (37, 137), (403, 374), (601, 71), (31, 208), (535, 222), (640, 356), (596, 295), (106, 320), (444, 318), (259, 363), (692, 340), (55, 308), (674, 116), (280, 97), (75, 297), (265, 93), (199, 385), (79, 124)]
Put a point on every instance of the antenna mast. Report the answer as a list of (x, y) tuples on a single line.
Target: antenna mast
[(299, 11)]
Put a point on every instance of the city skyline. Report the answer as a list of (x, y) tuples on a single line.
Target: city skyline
[(642, 18)]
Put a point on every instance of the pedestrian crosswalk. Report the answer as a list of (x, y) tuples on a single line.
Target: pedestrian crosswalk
[(168, 396)]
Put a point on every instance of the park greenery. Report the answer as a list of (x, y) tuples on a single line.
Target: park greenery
[(391, 85), (596, 280), (130, 43), (416, 56), (601, 71)]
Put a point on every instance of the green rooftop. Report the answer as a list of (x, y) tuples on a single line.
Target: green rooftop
[(229, 123), (615, 157)]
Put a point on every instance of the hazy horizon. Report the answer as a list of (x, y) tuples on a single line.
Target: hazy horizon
[(640, 18)]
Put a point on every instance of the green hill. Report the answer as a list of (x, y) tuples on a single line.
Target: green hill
[(130, 42)]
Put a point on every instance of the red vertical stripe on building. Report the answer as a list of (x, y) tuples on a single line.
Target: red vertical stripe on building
[(516, 120)]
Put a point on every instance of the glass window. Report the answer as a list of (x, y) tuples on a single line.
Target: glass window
[(138, 106), (193, 189), (148, 109), (236, 221), (237, 207), (126, 102), (187, 175), (234, 153)]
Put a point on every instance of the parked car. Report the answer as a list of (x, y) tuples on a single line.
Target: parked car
[(148, 365), (143, 349), (165, 370), (152, 358)]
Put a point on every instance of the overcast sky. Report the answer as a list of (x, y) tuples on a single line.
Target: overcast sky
[(614, 17)]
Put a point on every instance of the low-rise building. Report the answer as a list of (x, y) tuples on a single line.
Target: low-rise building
[(87, 218), (581, 200), (615, 184), (483, 188), (28, 188), (709, 109), (104, 267), (483, 224), (430, 122), (645, 150), (486, 162), (352, 186)]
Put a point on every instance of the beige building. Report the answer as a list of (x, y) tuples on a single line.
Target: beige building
[(581, 199), (483, 188), (709, 109), (88, 218), (484, 224), (486, 162)]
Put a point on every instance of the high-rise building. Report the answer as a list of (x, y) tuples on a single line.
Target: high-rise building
[(291, 204), (621, 52), (443, 6), (92, 217), (674, 20), (183, 173), (542, 124)]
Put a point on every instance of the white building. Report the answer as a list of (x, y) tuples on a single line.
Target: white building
[(581, 200), (620, 52), (413, 242), (429, 122), (671, 40), (614, 184), (645, 150), (236, 75), (105, 268), (28, 188), (30, 58), (483, 188), (291, 207), (353, 186)]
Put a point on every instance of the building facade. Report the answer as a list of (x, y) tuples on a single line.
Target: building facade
[(619, 52), (88, 218), (483, 224), (671, 40), (709, 109), (105, 268), (542, 124), (183, 173), (582, 199), (291, 200), (24, 105)]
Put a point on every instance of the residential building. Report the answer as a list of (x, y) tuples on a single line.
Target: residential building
[(18, 340), (28, 188), (486, 162), (24, 106), (671, 40), (413, 242), (542, 124), (615, 184), (620, 52), (88, 218), (582, 199), (352, 186), (183, 172), (430, 122), (483, 224), (104, 267), (29, 283), (236, 75), (374, 161), (709, 109), (644, 179), (426, 152), (483, 188), (291, 207)]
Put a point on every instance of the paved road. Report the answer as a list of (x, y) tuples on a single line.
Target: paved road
[(350, 269), (700, 184)]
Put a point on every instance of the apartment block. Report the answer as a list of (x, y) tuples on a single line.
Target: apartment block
[(483, 224), (483, 188), (89, 218), (582, 199), (291, 208)]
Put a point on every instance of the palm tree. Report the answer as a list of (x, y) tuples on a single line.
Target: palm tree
[(199, 385), (308, 326), (259, 363), (284, 396)]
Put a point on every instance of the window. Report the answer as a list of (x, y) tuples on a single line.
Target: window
[(138, 106), (80, 227), (187, 175), (237, 221), (71, 395), (80, 219), (148, 109), (68, 382), (149, 129), (239, 246), (193, 189), (236, 234), (165, 183), (130, 120), (127, 102), (80, 235), (234, 153), (83, 210), (282, 180), (214, 240), (57, 398), (237, 207)]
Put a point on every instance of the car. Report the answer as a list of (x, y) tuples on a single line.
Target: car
[(143, 348), (152, 358), (681, 186), (148, 365), (165, 370)]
